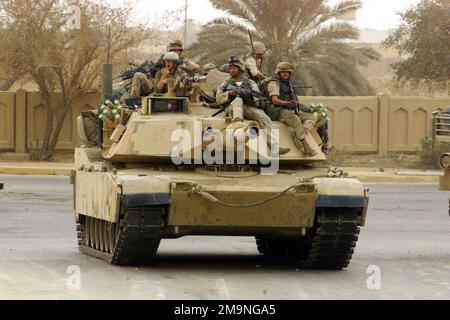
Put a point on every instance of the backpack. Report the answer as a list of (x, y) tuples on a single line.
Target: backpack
[(271, 110)]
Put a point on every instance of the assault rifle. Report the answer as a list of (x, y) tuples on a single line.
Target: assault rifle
[(247, 93), (298, 107), (243, 92), (149, 69), (187, 81)]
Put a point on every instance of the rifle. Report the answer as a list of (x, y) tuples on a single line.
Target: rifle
[(298, 107), (253, 49), (301, 86), (246, 93), (215, 106), (188, 80), (150, 69), (251, 42)]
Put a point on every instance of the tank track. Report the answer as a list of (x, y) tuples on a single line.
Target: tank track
[(132, 241), (329, 245)]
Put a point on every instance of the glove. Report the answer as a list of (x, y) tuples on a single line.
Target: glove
[(248, 94)]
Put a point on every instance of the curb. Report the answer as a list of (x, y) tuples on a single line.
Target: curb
[(35, 171)]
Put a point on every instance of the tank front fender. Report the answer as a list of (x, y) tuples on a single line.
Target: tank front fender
[(138, 191), (332, 201), (343, 193)]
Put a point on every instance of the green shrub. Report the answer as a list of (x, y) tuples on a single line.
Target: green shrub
[(430, 152)]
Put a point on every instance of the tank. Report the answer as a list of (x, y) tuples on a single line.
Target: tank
[(444, 163), (134, 190)]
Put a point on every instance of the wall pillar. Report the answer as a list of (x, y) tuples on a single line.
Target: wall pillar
[(383, 124), (21, 123)]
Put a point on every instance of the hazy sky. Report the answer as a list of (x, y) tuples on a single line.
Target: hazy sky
[(376, 14)]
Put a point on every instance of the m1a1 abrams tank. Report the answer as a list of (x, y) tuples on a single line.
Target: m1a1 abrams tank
[(131, 192), (444, 163), (441, 134)]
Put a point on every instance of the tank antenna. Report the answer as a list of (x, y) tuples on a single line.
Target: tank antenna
[(108, 60)]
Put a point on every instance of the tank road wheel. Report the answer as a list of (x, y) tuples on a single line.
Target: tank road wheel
[(110, 236), (87, 227), (97, 233), (92, 232), (329, 245), (132, 241)]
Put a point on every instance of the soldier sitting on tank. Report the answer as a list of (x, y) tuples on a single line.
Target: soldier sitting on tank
[(188, 66), (139, 85), (171, 71), (279, 93), (244, 106), (254, 62), (142, 84)]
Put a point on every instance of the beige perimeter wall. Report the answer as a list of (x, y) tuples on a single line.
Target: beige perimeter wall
[(379, 124)]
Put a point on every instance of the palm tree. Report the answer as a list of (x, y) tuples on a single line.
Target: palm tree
[(308, 33)]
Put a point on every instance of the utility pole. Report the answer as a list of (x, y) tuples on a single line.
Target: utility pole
[(185, 21)]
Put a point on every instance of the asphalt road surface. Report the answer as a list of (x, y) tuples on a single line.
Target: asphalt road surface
[(403, 253)]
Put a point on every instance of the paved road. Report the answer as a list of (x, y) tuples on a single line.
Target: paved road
[(407, 239)]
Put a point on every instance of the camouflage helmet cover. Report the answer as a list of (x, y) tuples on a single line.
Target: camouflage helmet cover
[(236, 61), (225, 68), (209, 66), (175, 44), (171, 56), (260, 48), (285, 67)]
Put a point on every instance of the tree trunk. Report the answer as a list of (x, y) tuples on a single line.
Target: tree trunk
[(57, 124), (6, 85)]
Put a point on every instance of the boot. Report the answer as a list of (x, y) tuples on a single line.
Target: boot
[(284, 150), (281, 150), (308, 151)]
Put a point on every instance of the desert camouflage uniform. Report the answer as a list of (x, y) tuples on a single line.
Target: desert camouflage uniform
[(300, 126), (141, 85), (251, 65), (285, 116), (177, 74), (240, 110)]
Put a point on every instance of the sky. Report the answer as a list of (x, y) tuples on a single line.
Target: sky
[(375, 14)]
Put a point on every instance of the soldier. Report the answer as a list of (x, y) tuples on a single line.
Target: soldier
[(279, 92), (133, 87), (141, 85), (170, 71), (254, 62), (240, 107), (188, 66)]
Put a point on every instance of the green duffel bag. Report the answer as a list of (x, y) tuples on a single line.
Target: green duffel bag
[(88, 128)]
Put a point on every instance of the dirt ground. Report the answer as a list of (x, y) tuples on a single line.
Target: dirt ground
[(394, 160)]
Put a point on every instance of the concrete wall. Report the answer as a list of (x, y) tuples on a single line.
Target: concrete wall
[(378, 124), (23, 119)]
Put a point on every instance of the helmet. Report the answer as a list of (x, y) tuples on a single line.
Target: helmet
[(171, 56), (175, 44), (236, 61), (285, 67), (225, 68), (209, 67), (260, 48)]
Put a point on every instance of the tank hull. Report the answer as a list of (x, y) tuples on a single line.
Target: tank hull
[(119, 205)]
